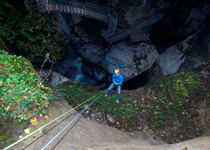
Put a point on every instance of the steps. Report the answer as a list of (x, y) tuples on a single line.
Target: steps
[(101, 13), (77, 10), (88, 10), (140, 24)]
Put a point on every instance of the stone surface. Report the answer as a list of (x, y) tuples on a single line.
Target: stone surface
[(171, 60), (85, 134), (196, 18), (110, 119), (54, 78), (95, 72), (131, 60), (173, 57), (92, 53), (144, 11)]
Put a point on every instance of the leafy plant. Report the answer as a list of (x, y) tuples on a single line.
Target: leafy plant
[(20, 90), (125, 114), (30, 32), (168, 104)]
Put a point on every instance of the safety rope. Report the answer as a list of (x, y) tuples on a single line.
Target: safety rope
[(51, 122), (70, 122)]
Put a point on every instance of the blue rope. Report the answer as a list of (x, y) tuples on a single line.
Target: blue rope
[(70, 122)]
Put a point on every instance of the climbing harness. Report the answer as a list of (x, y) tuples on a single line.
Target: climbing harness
[(20, 140)]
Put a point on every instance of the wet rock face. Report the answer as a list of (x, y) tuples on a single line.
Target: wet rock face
[(180, 20), (92, 53), (86, 39), (95, 72), (131, 60), (173, 57), (183, 18), (171, 60)]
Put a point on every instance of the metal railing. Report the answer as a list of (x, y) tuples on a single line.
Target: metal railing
[(112, 24), (111, 16)]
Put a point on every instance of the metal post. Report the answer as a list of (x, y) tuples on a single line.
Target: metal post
[(47, 5), (85, 12)]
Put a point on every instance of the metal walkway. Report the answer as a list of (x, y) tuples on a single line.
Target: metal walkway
[(100, 13), (85, 9)]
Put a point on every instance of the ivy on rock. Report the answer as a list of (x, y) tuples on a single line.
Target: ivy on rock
[(21, 93)]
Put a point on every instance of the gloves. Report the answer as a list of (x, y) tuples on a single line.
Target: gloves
[(115, 83)]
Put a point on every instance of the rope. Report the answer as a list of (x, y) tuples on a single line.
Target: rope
[(70, 123), (50, 122)]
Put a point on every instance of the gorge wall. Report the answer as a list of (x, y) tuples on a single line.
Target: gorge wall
[(166, 32)]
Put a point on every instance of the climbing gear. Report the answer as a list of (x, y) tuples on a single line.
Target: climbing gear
[(116, 70), (70, 122), (117, 101), (20, 140)]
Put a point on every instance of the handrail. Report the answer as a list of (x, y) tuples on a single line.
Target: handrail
[(82, 3), (116, 20), (111, 16), (94, 9)]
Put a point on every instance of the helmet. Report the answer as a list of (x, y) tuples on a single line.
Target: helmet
[(116, 70)]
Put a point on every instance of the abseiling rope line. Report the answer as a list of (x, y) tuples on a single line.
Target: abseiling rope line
[(51, 122), (70, 122)]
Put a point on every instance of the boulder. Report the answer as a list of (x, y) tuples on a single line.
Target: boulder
[(52, 77), (92, 53), (174, 56), (94, 72), (110, 119), (171, 60), (196, 18), (131, 60)]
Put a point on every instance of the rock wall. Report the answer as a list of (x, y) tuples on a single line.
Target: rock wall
[(131, 60), (168, 24)]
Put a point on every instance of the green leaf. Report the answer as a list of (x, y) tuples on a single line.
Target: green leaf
[(28, 36), (6, 4), (1, 11)]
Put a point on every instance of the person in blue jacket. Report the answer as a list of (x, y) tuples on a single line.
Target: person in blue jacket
[(117, 80)]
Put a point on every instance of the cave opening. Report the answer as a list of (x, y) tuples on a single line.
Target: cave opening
[(136, 82)]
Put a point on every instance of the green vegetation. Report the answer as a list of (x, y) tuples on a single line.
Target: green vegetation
[(21, 92), (30, 32), (124, 112), (5, 137), (175, 97), (168, 104)]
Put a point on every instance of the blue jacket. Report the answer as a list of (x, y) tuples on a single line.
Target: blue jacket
[(118, 79)]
